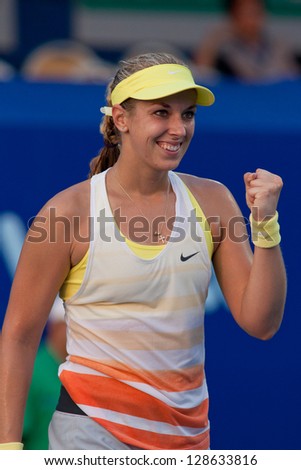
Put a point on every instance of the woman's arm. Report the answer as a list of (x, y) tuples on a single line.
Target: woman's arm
[(43, 265), (254, 285)]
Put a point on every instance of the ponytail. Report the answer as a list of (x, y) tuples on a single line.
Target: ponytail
[(108, 154), (106, 158)]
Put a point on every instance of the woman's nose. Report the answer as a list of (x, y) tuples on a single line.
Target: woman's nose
[(177, 126)]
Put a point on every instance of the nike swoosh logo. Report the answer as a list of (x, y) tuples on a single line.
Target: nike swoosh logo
[(185, 258)]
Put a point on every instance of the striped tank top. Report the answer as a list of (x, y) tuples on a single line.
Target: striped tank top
[(135, 331)]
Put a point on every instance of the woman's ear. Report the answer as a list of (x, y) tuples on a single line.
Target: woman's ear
[(120, 118)]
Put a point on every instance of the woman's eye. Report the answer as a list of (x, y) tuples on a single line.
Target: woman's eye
[(189, 115), (161, 112)]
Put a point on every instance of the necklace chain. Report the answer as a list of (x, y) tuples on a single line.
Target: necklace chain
[(162, 238)]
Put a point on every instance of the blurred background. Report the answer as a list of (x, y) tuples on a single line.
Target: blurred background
[(56, 57)]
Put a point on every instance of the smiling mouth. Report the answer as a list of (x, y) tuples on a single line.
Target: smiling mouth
[(170, 147)]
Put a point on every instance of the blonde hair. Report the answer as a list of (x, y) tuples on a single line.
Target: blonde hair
[(109, 154)]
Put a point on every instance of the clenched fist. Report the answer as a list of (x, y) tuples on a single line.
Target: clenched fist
[(262, 193)]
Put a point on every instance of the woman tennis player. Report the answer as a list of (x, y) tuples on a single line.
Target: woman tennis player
[(132, 258)]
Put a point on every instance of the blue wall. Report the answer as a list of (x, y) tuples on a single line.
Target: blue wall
[(48, 134)]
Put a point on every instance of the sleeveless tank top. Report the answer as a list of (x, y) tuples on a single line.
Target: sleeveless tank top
[(135, 331)]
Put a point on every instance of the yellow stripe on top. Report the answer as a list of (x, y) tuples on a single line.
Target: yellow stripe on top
[(203, 222), (75, 277)]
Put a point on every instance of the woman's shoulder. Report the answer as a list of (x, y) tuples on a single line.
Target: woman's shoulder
[(214, 197), (198, 184)]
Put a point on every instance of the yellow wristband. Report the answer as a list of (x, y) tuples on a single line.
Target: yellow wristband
[(265, 233), (11, 446)]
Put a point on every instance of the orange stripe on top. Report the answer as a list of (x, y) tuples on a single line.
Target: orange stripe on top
[(122, 398), (168, 380)]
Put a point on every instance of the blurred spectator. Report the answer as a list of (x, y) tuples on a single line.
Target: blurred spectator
[(66, 61), (45, 384), (243, 47), (7, 71)]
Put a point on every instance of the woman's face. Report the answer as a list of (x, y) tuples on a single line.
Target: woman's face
[(159, 132)]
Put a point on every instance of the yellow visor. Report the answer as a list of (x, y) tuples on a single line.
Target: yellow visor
[(157, 82)]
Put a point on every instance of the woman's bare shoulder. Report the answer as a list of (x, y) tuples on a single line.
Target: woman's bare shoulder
[(198, 185), (215, 199)]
